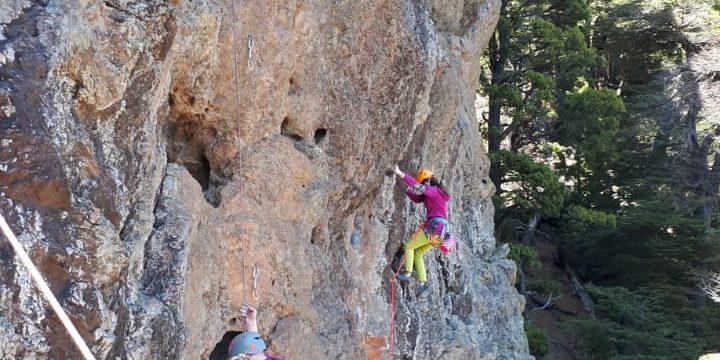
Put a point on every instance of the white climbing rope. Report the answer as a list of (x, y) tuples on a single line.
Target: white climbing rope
[(42, 285), (243, 240), (237, 119)]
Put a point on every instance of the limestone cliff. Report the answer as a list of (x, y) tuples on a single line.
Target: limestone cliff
[(138, 192)]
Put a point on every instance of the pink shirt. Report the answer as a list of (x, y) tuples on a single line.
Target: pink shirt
[(434, 198)]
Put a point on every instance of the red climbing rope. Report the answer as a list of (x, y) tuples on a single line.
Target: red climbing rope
[(392, 308), (393, 280)]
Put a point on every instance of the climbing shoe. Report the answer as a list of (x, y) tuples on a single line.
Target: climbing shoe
[(421, 289), (404, 277)]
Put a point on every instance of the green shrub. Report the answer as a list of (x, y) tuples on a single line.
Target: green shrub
[(524, 255), (545, 287), (537, 340)]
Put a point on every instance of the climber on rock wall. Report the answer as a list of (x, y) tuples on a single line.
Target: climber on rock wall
[(426, 189), (249, 345)]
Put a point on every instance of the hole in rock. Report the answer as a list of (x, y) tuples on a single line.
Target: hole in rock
[(286, 129), (201, 172), (220, 352), (76, 90), (192, 143), (315, 236), (186, 147), (320, 135), (293, 87)]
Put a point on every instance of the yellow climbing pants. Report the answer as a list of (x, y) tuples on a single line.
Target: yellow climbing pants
[(415, 248)]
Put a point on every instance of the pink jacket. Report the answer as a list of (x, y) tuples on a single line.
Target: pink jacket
[(434, 198)]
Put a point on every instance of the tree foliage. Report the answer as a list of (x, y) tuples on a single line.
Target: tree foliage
[(537, 340), (536, 187), (524, 255), (639, 324), (578, 132)]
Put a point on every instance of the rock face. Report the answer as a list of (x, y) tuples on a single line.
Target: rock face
[(146, 191)]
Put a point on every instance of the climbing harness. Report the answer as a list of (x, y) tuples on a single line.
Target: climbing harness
[(45, 290), (442, 239), (449, 244)]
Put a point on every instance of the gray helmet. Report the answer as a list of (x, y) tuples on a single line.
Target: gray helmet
[(248, 342)]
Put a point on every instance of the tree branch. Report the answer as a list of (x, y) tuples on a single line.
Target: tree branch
[(711, 285), (548, 302)]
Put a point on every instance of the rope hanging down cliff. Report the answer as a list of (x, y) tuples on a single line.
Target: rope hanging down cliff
[(45, 290), (391, 333), (251, 66)]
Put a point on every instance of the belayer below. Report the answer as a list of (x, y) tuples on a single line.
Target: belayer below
[(426, 189), (249, 345)]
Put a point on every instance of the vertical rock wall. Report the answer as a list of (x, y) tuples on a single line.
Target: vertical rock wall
[(139, 192)]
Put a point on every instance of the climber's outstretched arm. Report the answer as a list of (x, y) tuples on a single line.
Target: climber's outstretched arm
[(409, 180), (398, 172), (415, 190), (250, 315)]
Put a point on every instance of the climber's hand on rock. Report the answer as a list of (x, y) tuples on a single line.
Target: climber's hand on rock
[(398, 172), (250, 315), (248, 312)]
